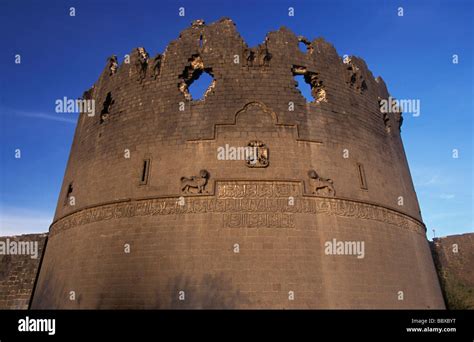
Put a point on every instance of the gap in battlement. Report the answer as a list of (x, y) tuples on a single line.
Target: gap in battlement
[(198, 87), (304, 87), (303, 47)]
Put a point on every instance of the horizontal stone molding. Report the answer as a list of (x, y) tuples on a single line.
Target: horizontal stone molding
[(243, 204)]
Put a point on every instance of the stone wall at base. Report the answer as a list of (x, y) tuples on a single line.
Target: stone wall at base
[(18, 271), (453, 255), (454, 260)]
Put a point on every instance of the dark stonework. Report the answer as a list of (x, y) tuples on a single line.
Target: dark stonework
[(181, 209)]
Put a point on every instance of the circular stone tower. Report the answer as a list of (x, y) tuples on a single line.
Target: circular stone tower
[(249, 198)]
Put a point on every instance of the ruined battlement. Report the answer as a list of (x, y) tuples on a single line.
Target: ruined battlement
[(218, 50)]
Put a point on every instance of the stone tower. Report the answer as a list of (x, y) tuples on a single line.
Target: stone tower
[(318, 210)]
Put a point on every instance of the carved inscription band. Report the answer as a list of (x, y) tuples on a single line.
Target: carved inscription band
[(249, 205)]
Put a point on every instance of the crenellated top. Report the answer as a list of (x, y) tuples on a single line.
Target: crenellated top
[(218, 49)]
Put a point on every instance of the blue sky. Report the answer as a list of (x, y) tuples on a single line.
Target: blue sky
[(63, 56)]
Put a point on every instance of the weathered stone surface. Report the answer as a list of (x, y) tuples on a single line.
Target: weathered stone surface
[(454, 257), (182, 225), (18, 273)]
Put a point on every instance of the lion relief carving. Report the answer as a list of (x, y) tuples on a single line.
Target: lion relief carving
[(321, 186), (195, 184)]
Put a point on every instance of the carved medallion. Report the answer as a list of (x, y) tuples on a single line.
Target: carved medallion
[(258, 156)]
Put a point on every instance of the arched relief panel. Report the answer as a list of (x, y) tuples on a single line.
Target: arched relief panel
[(256, 117)]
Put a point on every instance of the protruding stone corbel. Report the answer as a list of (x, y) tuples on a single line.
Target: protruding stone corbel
[(141, 63), (112, 64), (156, 67)]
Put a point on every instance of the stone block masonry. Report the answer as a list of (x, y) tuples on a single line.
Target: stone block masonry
[(150, 217), (18, 271), (454, 257)]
